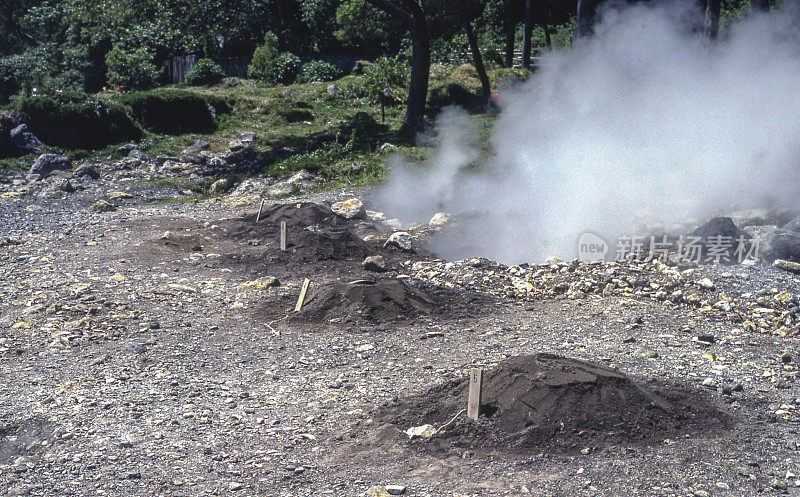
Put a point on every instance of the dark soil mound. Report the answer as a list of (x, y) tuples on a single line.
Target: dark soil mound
[(366, 299), (327, 244), (546, 400), (302, 214)]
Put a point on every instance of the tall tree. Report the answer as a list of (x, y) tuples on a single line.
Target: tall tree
[(587, 13), (477, 58), (412, 15), (526, 39), (712, 19)]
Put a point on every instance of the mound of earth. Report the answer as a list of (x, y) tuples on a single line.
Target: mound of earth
[(321, 244), (373, 300), (302, 214), (547, 400)]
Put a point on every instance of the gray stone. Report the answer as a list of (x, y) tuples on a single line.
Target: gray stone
[(86, 170), (751, 217), (400, 239), (757, 231), (375, 263), (793, 225), (299, 182), (350, 209), (197, 147), (46, 164), (162, 159), (138, 154), (24, 140), (779, 244), (331, 89), (126, 149)]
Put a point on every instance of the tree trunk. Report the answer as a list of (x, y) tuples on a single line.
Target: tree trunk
[(548, 21), (759, 5), (587, 11), (511, 38), (414, 121), (412, 15), (477, 59), (712, 19), (526, 40)]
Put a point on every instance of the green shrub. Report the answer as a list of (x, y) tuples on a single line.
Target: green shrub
[(205, 72), (386, 78), (362, 131), (75, 121), (174, 112), (318, 70), (49, 68), (131, 70), (273, 67)]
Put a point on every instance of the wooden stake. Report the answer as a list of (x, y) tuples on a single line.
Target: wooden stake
[(260, 207), (283, 235), (302, 297), (475, 391)]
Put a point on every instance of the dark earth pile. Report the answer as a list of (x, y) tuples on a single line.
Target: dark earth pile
[(537, 400), (379, 300)]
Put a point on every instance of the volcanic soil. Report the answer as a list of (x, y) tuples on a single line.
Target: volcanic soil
[(155, 350)]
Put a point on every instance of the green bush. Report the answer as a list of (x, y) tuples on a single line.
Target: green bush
[(131, 70), (77, 121), (362, 132), (205, 72), (318, 70), (386, 78), (273, 67), (174, 112), (49, 68)]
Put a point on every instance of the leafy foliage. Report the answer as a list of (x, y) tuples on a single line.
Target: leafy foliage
[(205, 72), (271, 66), (131, 69), (386, 78), (318, 70)]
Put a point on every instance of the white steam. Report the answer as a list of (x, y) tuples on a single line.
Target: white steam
[(644, 122)]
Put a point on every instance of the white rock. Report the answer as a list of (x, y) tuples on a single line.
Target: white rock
[(350, 209), (421, 431), (439, 219), (396, 489)]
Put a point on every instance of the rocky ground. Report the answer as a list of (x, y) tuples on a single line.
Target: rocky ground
[(152, 348)]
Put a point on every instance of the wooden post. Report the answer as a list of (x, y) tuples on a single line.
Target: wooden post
[(283, 235), (302, 297), (260, 208), (475, 391)]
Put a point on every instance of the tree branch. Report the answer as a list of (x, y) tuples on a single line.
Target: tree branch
[(392, 8)]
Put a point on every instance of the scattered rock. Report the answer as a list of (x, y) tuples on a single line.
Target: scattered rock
[(24, 140), (298, 183), (786, 358), (235, 486), (102, 206), (387, 148), (350, 209), (792, 267), (400, 239), (138, 154), (331, 89), (86, 170), (197, 146), (375, 263), (124, 150), (396, 489), (46, 164), (221, 185)]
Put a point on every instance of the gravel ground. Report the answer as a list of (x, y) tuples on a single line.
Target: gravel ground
[(135, 368)]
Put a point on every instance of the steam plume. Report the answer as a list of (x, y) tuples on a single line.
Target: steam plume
[(644, 122)]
